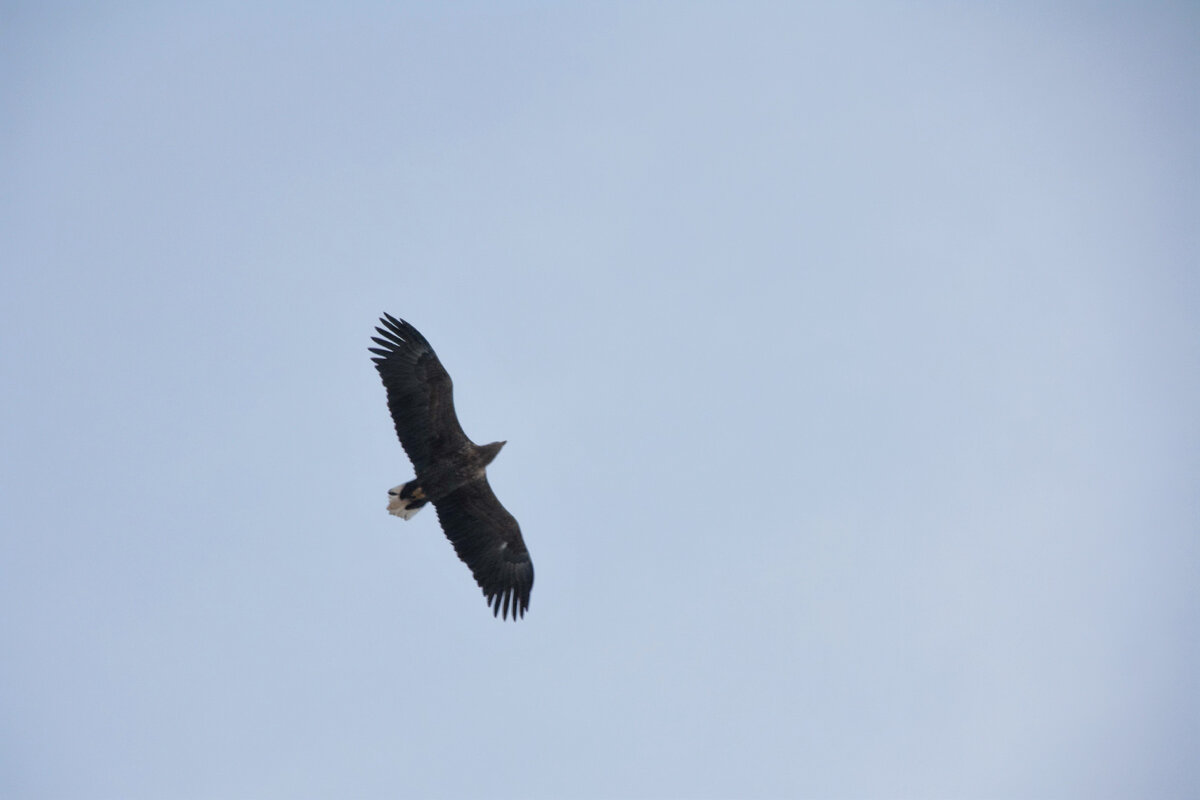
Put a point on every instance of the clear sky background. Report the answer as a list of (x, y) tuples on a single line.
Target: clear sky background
[(848, 356)]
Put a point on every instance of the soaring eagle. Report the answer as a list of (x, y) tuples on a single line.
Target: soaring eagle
[(451, 469)]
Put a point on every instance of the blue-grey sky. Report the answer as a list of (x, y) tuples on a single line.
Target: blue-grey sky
[(848, 356)]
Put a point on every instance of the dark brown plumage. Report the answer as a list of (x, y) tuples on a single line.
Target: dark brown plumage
[(451, 469)]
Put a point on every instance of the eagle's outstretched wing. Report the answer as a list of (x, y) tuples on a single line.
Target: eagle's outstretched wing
[(420, 394), (488, 540)]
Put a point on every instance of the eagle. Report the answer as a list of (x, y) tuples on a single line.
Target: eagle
[(451, 469)]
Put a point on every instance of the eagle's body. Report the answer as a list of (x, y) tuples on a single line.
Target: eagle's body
[(451, 469)]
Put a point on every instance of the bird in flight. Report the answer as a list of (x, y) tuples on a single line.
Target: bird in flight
[(451, 469)]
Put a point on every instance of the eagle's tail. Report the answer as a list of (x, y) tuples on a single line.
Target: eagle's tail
[(406, 499)]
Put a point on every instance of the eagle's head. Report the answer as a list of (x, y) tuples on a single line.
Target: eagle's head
[(489, 452)]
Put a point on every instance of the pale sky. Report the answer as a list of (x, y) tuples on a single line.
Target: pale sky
[(848, 357)]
